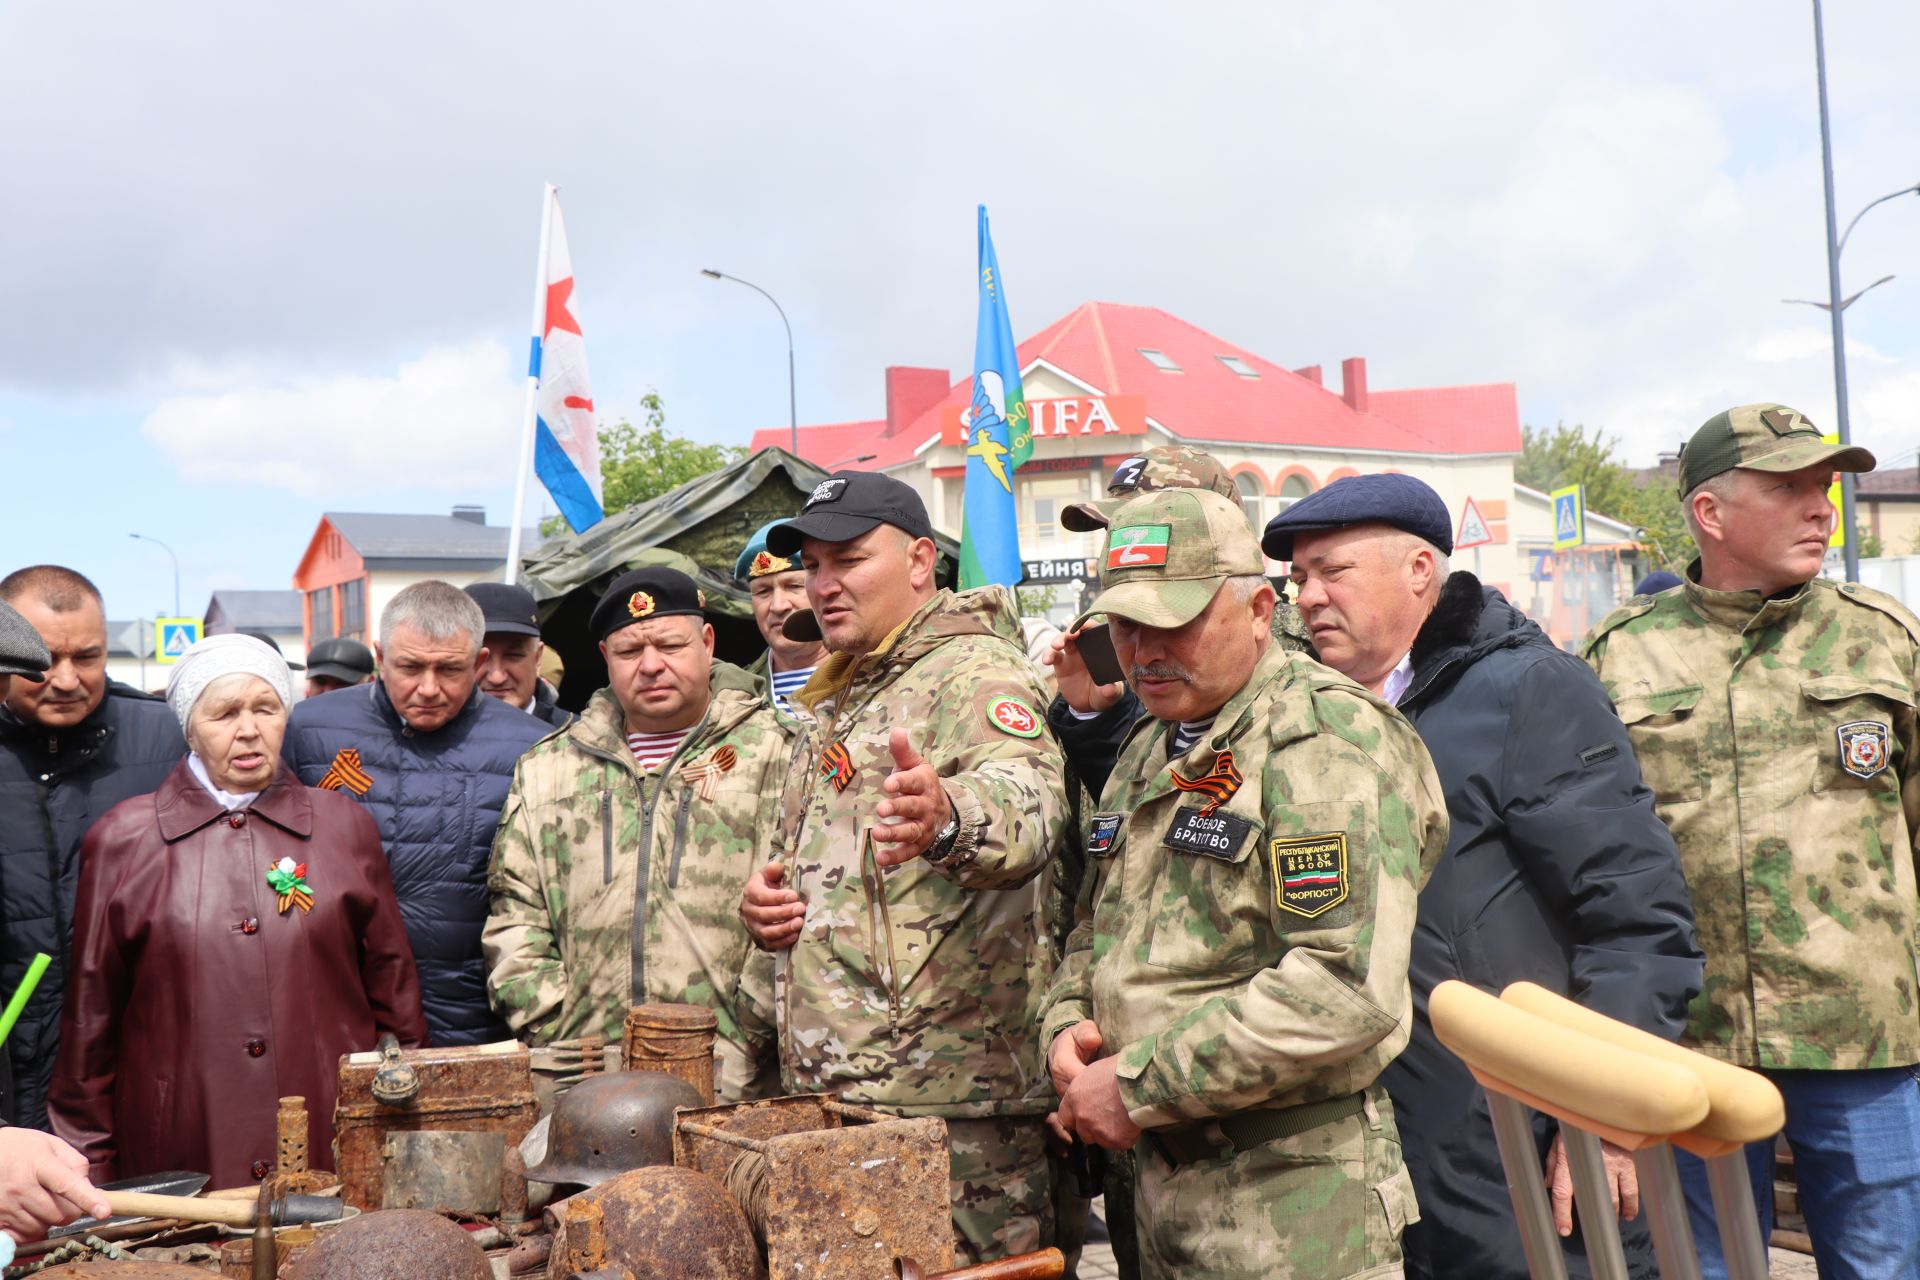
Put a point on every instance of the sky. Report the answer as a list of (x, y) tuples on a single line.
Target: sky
[(266, 262)]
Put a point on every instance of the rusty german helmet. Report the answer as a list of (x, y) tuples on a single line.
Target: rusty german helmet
[(612, 1123), (674, 1224), (393, 1244)]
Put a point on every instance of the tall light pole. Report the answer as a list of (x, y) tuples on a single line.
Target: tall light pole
[(793, 414), (1836, 305), (176, 567)]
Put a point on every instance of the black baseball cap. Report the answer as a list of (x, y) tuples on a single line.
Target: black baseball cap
[(848, 504), (641, 594), (506, 608), (347, 661)]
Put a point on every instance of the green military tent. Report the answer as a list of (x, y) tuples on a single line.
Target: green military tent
[(698, 528)]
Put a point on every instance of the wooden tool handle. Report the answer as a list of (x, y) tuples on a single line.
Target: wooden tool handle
[(138, 1204), (1741, 1106), (1619, 1088)]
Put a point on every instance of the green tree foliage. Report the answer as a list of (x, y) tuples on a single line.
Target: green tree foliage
[(638, 463), (1552, 458), (1869, 543)]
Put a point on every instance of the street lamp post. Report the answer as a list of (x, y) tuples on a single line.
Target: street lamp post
[(1850, 544), (793, 414), (176, 567)]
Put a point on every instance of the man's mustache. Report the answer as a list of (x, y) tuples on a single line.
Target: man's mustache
[(1158, 671)]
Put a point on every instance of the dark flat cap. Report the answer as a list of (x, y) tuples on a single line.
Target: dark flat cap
[(1393, 499), (22, 652), (506, 608), (642, 594)]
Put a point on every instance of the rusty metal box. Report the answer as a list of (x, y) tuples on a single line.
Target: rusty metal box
[(836, 1192), (472, 1088)]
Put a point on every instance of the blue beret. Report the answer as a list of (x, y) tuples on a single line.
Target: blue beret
[(756, 561), (1398, 500)]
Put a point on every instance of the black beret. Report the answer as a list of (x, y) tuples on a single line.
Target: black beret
[(1395, 499), (642, 594)]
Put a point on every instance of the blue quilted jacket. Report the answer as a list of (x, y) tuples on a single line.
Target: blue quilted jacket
[(437, 798)]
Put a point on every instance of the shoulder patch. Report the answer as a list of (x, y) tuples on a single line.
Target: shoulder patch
[(1882, 602), (1012, 715), (1310, 873)]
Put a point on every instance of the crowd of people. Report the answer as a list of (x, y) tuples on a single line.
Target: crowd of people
[(1167, 938)]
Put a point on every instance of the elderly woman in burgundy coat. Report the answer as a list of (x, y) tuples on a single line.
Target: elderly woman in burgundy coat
[(235, 933)]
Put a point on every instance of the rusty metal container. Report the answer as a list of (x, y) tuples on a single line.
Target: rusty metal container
[(289, 1243), (833, 1192), (475, 1089), (675, 1039), (659, 1223)]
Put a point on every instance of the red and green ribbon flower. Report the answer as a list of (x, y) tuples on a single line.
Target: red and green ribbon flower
[(288, 879)]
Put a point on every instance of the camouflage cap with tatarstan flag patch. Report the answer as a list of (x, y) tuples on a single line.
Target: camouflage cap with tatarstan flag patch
[(1167, 466), (1761, 437), (1168, 554)]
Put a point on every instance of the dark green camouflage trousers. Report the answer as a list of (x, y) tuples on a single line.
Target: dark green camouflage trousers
[(1328, 1204), (1001, 1185)]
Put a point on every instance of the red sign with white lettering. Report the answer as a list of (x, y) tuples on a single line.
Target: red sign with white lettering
[(1076, 419)]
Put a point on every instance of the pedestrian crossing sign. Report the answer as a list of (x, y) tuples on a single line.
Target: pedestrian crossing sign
[(1569, 517), (173, 637)]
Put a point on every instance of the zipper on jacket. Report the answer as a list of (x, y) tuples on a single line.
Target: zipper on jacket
[(606, 836), (638, 949), (879, 926), (679, 838)]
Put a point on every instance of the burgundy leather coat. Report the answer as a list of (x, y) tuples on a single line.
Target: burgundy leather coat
[(193, 1004)]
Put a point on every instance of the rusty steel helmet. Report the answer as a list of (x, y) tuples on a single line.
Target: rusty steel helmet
[(668, 1223), (612, 1123), (392, 1244)]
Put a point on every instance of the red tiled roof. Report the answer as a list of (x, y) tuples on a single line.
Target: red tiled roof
[(1099, 344)]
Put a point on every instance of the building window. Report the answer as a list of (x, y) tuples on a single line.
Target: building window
[(320, 612), (1292, 489), (353, 609), (1239, 366), (1158, 359), (1251, 493)]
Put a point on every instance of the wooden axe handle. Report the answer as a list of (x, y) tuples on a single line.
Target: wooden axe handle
[(139, 1204)]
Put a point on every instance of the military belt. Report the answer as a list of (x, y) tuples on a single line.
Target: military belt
[(1245, 1130)]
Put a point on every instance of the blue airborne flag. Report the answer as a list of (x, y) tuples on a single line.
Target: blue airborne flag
[(999, 438)]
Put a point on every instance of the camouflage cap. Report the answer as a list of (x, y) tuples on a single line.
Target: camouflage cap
[(1761, 437), (1167, 466), (1168, 553)]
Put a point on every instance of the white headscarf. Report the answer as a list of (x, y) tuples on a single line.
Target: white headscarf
[(227, 655)]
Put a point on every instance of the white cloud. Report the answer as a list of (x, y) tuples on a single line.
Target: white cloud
[(447, 420)]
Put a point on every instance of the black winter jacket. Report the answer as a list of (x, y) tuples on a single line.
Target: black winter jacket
[(1557, 871), (53, 784), (436, 798)]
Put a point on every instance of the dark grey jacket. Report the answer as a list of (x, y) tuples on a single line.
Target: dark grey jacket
[(53, 785), (1557, 872)]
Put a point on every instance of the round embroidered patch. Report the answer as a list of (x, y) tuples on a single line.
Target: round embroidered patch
[(1010, 715)]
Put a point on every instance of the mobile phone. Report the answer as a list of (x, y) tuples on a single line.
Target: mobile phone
[(1096, 650)]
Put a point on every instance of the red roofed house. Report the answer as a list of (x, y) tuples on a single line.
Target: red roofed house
[(1108, 381)]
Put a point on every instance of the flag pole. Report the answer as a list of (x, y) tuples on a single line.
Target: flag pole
[(532, 415)]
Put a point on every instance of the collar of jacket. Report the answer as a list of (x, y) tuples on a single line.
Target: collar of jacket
[(391, 714), (1292, 718), (984, 611), (183, 806), (601, 726), (1468, 622), (1743, 610), (74, 744)]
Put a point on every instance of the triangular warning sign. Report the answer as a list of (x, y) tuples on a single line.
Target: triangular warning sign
[(177, 641), (1473, 529)]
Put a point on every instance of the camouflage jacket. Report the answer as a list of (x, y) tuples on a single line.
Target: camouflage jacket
[(583, 829), (1780, 741), (914, 989), (1256, 957)]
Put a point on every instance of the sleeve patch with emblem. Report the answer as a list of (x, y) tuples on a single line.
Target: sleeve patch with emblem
[(1102, 832), (1310, 873), (1011, 715)]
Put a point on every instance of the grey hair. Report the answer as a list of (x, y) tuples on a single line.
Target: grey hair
[(1246, 586), (438, 610), (1720, 486)]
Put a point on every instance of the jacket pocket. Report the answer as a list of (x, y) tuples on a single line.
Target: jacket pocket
[(873, 886), (1669, 740), (1211, 907), (679, 837), (1852, 727)]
